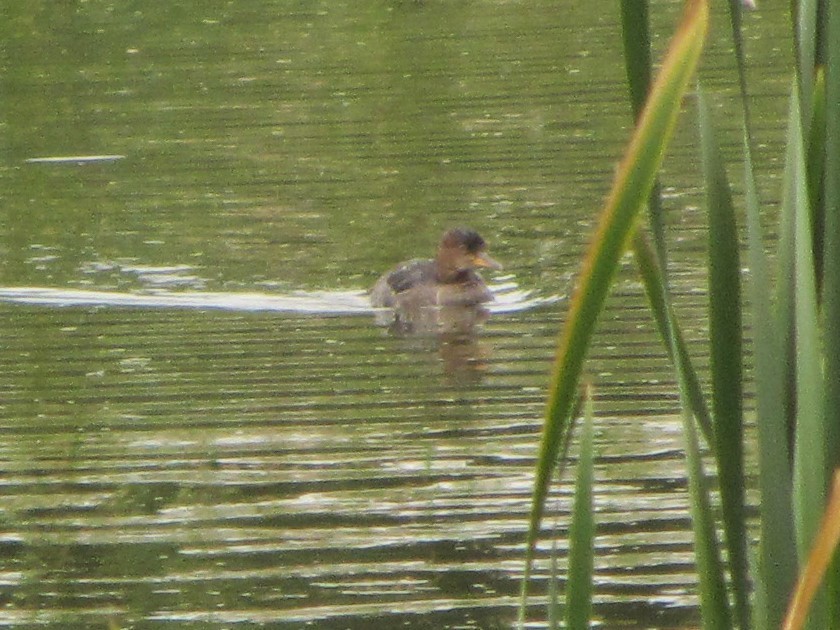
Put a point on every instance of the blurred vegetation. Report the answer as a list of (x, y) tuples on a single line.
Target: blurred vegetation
[(795, 340)]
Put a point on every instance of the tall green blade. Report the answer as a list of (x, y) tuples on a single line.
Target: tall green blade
[(725, 358), (831, 268), (819, 558), (713, 595), (582, 532), (635, 34), (809, 456), (776, 566), (735, 8), (650, 270), (554, 608), (785, 285), (809, 448), (831, 253), (815, 165), (806, 55), (635, 31), (714, 602), (777, 556), (631, 187)]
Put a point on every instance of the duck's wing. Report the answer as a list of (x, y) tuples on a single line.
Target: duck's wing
[(400, 279), (411, 274)]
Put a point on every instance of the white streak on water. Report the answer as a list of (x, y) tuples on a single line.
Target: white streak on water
[(509, 298), (74, 159)]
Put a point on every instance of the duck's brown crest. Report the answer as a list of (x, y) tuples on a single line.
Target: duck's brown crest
[(467, 238)]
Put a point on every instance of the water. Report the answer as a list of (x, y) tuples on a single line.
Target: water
[(203, 426)]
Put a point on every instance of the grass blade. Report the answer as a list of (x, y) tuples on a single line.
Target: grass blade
[(582, 531), (554, 607), (713, 596), (809, 472), (631, 187), (635, 30), (831, 267), (823, 550), (735, 10), (831, 253), (806, 53), (654, 283), (809, 455), (725, 324), (777, 556), (636, 37), (714, 602), (776, 567)]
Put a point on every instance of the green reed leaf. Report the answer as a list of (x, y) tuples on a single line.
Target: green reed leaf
[(650, 271), (776, 565), (809, 454), (824, 548), (631, 187), (582, 531), (736, 7), (815, 169), (714, 602), (635, 33), (831, 268), (831, 253), (806, 25), (726, 356), (776, 570), (635, 30), (554, 607)]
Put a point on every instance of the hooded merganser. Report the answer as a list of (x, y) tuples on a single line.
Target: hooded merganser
[(450, 279)]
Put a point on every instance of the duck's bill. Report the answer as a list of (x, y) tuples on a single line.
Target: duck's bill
[(483, 260)]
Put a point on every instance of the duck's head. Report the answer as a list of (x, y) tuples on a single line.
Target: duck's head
[(462, 250)]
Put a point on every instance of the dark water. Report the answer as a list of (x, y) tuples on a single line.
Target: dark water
[(202, 426)]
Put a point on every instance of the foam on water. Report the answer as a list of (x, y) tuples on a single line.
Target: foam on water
[(509, 298)]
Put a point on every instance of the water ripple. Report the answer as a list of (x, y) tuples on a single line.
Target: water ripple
[(509, 298)]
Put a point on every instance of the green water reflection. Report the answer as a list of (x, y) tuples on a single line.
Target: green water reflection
[(273, 141)]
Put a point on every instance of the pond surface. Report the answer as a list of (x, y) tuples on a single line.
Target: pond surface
[(202, 425)]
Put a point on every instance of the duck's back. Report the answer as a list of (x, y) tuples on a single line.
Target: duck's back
[(408, 275), (414, 284)]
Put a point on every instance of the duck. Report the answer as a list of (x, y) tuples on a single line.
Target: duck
[(418, 289)]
